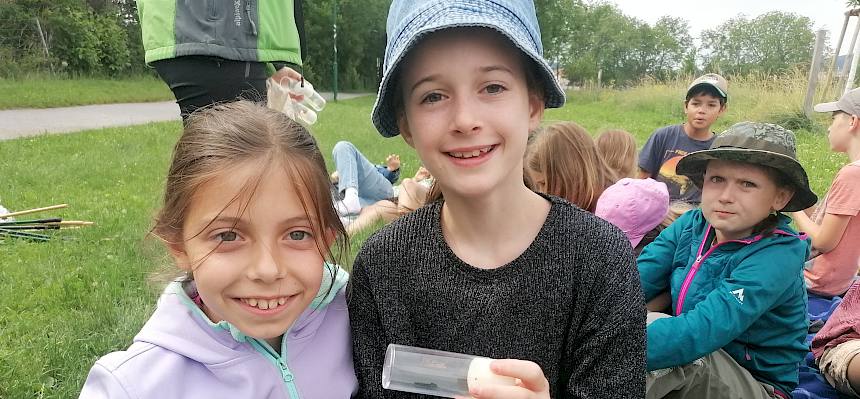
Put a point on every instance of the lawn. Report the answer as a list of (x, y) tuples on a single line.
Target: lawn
[(86, 292), (46, 92)]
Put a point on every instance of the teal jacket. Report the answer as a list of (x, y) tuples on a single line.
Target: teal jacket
[(240, 30), (744, 296)]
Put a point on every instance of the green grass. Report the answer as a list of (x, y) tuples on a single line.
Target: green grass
[(47, 92), (66, 302)]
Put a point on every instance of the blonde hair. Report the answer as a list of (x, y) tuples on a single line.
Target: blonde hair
[(618, 148), (222, 136), (573, 169)]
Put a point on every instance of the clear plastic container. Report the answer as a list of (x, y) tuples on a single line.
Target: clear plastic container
[(278, 98), (434, 372), (311, 99)]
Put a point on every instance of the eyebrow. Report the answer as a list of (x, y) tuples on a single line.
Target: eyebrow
[(483, 69), (235, 221)]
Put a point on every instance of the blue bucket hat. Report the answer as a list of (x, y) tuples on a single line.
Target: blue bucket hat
[(410, 20)]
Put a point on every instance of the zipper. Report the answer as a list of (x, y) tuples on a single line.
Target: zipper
[(688, 280), (279, 361)]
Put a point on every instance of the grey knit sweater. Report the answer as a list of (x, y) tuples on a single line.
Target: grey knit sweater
[(571, 303)]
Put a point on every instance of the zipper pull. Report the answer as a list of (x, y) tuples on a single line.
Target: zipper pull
[(747, 353), (288, 377)]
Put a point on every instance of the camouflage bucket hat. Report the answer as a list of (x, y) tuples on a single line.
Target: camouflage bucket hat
[(756, 143)]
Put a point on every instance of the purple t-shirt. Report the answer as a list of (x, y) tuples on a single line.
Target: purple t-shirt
[(660, 155)]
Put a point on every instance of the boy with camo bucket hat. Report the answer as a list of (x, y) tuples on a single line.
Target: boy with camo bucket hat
[(733, 269), (487, 261)]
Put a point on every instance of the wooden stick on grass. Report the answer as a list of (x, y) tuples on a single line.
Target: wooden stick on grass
[(34, 210)]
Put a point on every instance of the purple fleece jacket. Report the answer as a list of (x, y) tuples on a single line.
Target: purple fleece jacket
[(179, 353)]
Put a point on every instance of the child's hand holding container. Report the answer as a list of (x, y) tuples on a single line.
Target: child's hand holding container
[(457, 375)]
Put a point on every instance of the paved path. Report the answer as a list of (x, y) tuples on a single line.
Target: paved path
[(16, 123)]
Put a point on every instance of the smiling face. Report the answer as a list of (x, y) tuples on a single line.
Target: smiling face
[(736, 196), (467, 110), (255, 260)]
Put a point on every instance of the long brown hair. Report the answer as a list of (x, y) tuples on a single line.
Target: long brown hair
[(224, 135), (618, 148), (573, 169)]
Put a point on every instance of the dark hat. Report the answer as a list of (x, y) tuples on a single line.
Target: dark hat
[(756, 143)]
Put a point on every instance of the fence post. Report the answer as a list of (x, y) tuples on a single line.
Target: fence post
[(44, 44), (813, 72)]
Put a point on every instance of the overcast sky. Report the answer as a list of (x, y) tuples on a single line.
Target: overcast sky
[(825, 14)]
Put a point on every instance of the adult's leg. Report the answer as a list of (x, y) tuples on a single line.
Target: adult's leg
[(355, 171), (199, 81)]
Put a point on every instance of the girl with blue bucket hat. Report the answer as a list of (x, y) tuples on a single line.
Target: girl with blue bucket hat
[(488, 267)]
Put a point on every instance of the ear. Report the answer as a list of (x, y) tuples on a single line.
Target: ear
[(783, 195), (724, 108), (403, 126), (177, 251), (536, 110)]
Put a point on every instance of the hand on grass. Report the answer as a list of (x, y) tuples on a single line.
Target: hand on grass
[(392, 162), (531, 383), (422, 174)]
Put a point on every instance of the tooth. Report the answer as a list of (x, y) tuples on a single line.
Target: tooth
[(251, 301), (273, 303), (282, 300), (457, 154), (263, 304), (485, 149), (476, 153)]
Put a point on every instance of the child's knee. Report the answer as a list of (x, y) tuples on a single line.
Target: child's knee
[(342, 147)]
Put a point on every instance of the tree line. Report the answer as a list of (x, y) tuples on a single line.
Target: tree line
[(586, 40)]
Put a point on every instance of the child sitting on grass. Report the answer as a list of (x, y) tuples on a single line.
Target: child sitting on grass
[(562, 160), (834, 226), (705, 102), (734, 272), (489, 267), (261, 311), (637, 207), (618, 148), (837, 346)]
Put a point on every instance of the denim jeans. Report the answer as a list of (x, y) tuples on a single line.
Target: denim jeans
[(354, 170)]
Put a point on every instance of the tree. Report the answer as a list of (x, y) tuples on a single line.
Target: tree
[(624, 49), (771, 43), (360, 42)]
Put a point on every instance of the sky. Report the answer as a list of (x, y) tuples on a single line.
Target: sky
[(825, 14)]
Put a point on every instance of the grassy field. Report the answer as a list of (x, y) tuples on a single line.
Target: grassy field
[(46, 92), (66, 302)]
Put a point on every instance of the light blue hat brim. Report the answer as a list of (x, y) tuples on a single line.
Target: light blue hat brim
[(406, 31)]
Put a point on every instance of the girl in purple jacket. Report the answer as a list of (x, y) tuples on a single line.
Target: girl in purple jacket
[(260, 312)]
